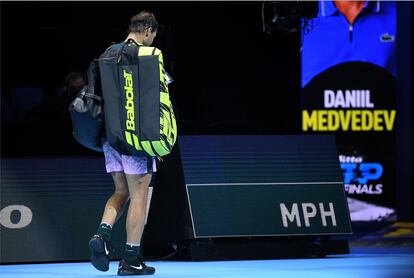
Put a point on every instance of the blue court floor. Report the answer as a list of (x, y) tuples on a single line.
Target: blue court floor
[(355, 265)]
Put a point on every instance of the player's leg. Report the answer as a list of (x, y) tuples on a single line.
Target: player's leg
[(138, 187), (116, 203), (99, 244), (138, 184)]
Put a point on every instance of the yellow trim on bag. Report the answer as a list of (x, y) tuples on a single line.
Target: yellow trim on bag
[(136, 142), (165, 98), (147, 148), (160, 148), (128, 137), (145, 51)]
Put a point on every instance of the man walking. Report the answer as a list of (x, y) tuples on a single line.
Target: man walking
[(131, 177)]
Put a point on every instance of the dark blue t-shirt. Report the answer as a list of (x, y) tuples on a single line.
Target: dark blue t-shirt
[(371, 38)]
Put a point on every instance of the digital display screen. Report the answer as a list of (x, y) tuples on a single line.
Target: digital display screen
[(348, 89)]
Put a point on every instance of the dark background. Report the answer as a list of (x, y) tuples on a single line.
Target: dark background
[(230, 76)]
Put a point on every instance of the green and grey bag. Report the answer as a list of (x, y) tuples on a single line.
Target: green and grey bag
[(139, 118)]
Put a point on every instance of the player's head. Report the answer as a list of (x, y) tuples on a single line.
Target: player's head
[(144, 24)]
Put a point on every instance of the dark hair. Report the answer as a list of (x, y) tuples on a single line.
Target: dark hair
[(73, 76), (143, 21)]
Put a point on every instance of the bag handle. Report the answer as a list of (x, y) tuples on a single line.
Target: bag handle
[(132, 41)]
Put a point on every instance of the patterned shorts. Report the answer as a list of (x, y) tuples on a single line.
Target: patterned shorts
[(116, 162)]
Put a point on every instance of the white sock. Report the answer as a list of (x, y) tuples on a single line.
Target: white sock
[(133, 244)]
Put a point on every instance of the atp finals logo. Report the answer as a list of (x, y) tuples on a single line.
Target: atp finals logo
[(349, 110), (361, 177), (132, 139)]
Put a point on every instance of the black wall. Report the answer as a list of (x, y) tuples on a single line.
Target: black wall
[(230, 76)]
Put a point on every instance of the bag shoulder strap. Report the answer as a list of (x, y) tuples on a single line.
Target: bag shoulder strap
[(93, 75), (131, 49)]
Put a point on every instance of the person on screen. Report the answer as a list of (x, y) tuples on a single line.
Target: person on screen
[(350, 31), (131, 178)]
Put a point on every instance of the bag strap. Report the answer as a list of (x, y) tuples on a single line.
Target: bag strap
[(130, 51), (149, 163), (132, 41), (92, 75)]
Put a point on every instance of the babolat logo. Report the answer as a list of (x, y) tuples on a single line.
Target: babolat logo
[(132, 139), (129, 105)]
